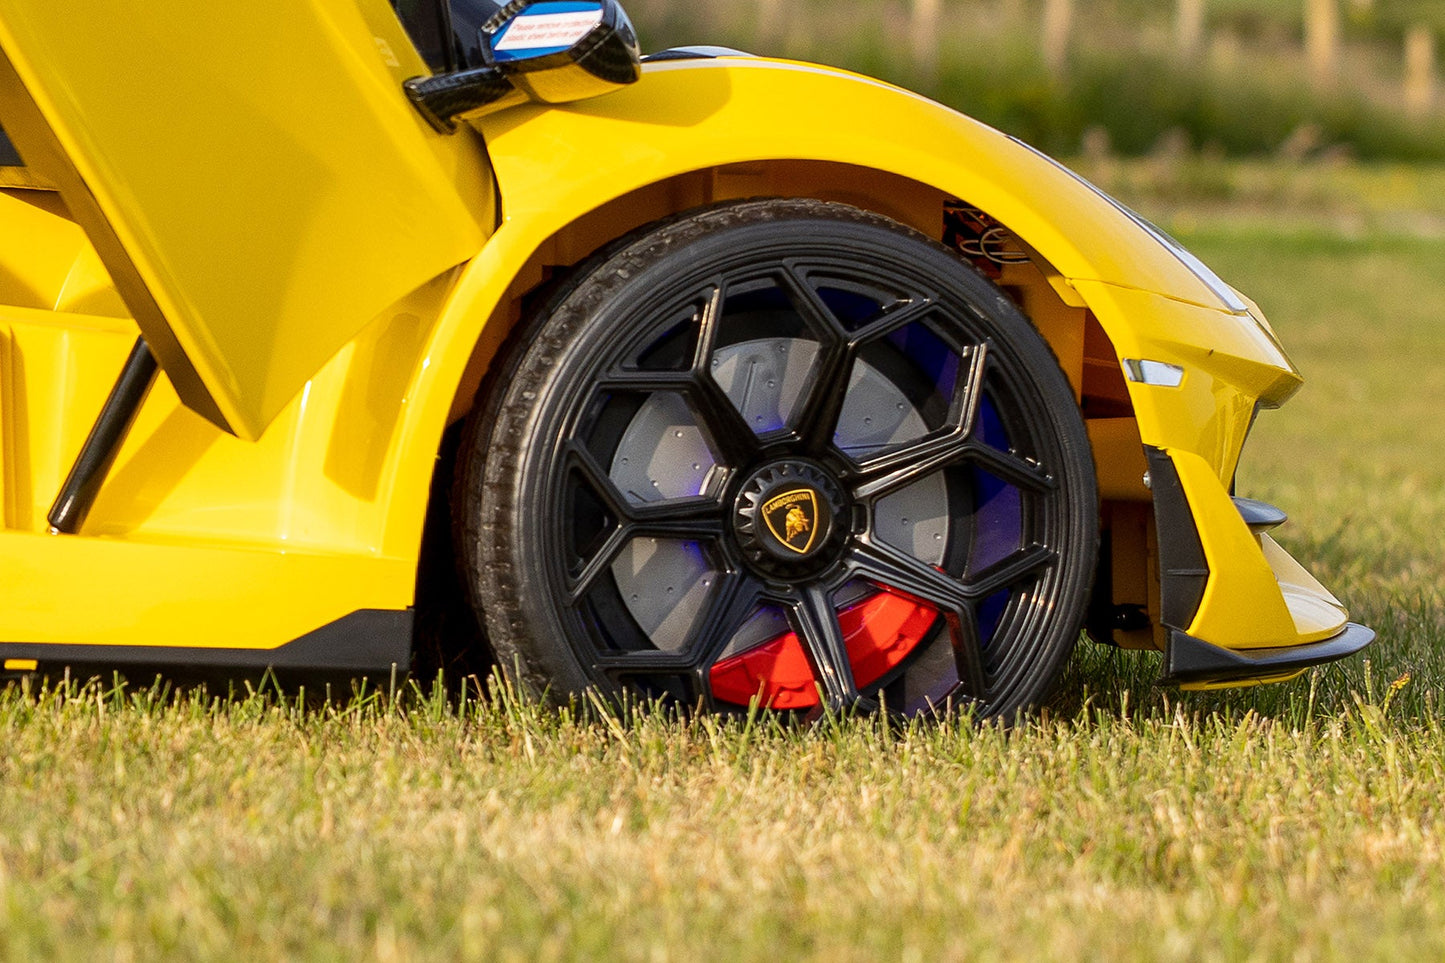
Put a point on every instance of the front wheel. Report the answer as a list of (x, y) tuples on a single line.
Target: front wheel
[(784, 451)]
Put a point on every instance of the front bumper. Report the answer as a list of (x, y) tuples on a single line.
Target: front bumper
[(1235, 607)]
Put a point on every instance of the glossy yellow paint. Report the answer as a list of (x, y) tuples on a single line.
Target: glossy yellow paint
[(316, 480), (1230, 365), (125, 592), (686, 115), (1257, 597), (200, 538), (58, 270), (557, 164), (256, 184)]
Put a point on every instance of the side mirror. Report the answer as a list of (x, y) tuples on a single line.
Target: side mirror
[(545, 51)]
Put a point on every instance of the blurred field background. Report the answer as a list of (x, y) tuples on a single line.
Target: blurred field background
[(1287, 822), (1238, 77)]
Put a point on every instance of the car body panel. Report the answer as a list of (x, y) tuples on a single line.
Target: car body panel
[(555, 164), (321, 516), (1244, 605), (128, 593), (268, 203)]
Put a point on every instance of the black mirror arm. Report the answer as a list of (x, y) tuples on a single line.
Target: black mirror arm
[(442, 97)]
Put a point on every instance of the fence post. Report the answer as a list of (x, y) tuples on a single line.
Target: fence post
[(1419, 70), (1058, 24), (1189, 27), (1322, 40), (923, 32)]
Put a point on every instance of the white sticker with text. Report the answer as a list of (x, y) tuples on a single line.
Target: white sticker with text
[(548, 30)]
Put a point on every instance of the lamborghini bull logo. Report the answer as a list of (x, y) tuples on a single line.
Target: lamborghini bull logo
[(796, 523), (792, 517)]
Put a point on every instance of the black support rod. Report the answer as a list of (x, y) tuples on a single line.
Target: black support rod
[(101, 446)]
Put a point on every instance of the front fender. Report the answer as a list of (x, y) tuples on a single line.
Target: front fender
[(554, 164), (557, 165)]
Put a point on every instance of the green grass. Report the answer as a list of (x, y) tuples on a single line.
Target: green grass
[(1301, 820), (146, 828)]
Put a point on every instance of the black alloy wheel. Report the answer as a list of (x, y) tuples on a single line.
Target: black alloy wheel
[(785, 451)]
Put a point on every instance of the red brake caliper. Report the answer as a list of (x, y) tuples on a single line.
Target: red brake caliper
[(879, 631)]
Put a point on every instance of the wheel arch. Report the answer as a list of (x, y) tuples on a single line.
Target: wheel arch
[(694, 133), (1084, 348), (1075, 335), (518, 481)]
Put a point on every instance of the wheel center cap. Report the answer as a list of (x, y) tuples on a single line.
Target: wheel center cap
[(794, 518), (789, 519)]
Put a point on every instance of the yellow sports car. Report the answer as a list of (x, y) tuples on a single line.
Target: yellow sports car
[(702, 376)]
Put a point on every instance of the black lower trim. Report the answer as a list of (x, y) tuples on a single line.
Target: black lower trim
[(366, 642), (1183, 570), (441, 98), (1259, 516), (1191, 660)]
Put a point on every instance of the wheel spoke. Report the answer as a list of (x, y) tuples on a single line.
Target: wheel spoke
[(578, 457), (707, 329), (1024, 473), (823, 400), (647, 660), (968, 654), (893, 318), (727, 430), (692, 518), (695, 519), (733, 603), (698, 522), (719, 418), (724, 425), (890, 472), (597, 564), (906, 466), (810, 610), (953, 599), (1009, 571), (897, 570), (815, 312), (823, 403)]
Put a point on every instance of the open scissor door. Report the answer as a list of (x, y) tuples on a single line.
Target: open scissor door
[(251, 173)]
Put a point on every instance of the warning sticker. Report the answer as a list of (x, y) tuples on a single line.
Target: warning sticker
[(548, 30)]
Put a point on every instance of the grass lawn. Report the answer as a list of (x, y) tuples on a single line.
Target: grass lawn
[(1302, 820)]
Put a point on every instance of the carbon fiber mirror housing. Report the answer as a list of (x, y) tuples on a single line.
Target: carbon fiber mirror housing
[(544, 51)]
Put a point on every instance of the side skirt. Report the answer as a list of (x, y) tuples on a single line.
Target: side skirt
[(368, 642)]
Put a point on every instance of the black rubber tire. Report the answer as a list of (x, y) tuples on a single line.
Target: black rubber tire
[(511, 482)]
